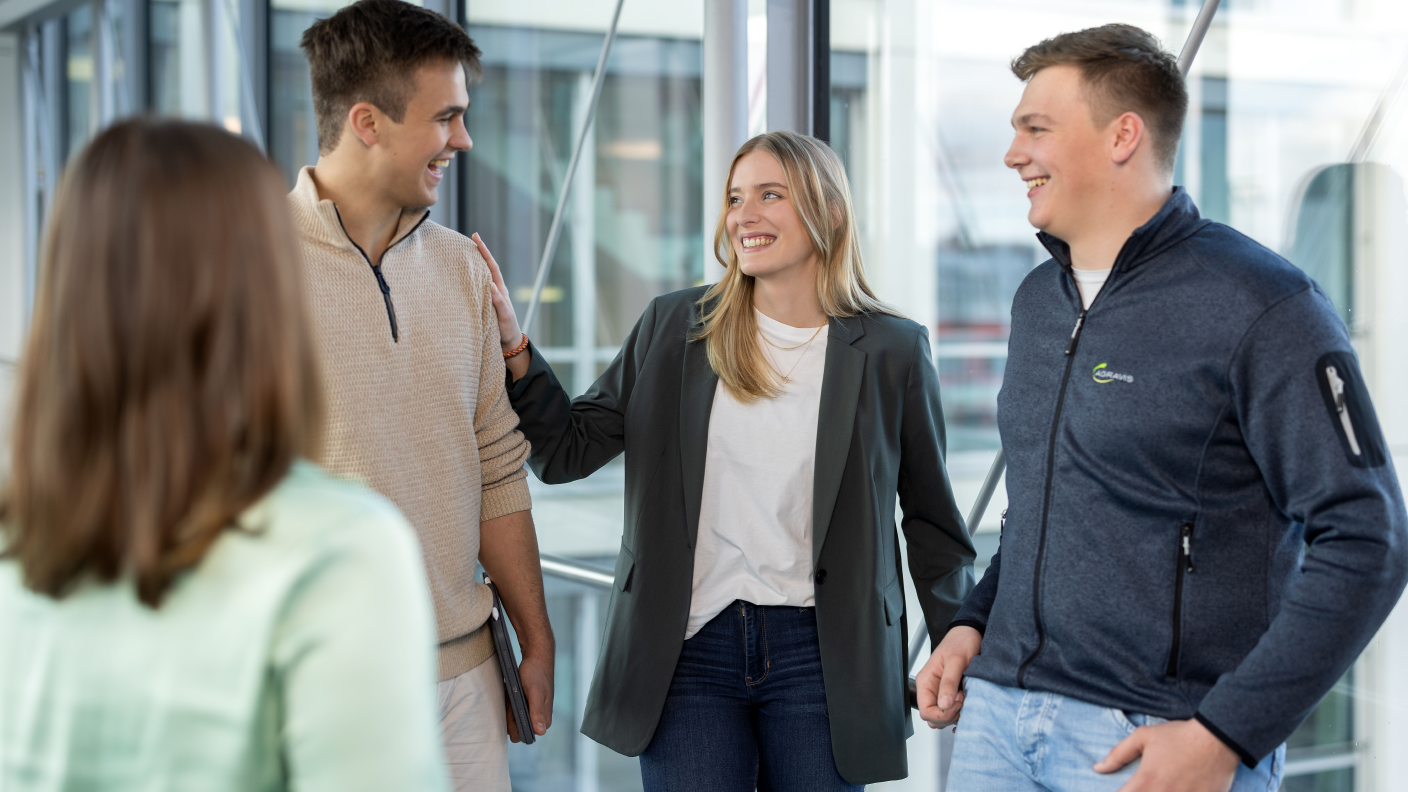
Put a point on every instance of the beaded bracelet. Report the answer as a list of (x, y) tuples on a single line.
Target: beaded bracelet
[(520, 348)]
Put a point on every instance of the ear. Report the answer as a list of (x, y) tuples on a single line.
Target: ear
[(366, 122), (1127, 134)]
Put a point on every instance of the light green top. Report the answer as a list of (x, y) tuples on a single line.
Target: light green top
[(299, 654)]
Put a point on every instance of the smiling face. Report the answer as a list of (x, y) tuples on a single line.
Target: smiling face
[(1060, 153), (414, 154), (766, 233)]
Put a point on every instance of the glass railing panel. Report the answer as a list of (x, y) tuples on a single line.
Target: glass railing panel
[(565, 760)]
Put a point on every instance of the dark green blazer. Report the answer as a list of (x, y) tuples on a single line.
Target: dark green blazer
[(880, 432)]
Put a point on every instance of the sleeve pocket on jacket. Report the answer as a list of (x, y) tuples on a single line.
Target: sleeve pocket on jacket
[(894, 602), (625, 566), (1351, 411)]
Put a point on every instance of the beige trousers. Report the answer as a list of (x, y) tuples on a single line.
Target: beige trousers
[(474, 725)]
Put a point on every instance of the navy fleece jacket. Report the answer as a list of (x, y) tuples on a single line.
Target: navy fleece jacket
[(1203, 520)]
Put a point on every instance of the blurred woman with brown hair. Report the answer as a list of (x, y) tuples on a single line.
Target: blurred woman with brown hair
[(186, 603)]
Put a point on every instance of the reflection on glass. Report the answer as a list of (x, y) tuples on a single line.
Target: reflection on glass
[(848, 81), (1215, 200), (1327, 735), (78, 78), (177, 70), (564, 760), (293, 131), (976, 286), (634, 227)]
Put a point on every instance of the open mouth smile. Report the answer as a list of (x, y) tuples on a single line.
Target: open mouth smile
[(436, 168), (755, 242), (1032, 184)]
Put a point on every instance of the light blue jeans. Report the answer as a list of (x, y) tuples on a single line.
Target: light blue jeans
[(1011, 740)]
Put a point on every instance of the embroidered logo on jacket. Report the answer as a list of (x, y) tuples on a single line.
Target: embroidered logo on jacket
[(1103, 375)]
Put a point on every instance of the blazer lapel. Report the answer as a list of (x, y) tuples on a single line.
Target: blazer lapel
[(836, 418), (697, 386)]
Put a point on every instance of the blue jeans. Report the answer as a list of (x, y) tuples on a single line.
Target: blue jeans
[(746, 709), (1011, 740)]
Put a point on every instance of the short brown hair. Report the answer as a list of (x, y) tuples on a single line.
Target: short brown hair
[(1125, 69), (169, 379), (370, 51)]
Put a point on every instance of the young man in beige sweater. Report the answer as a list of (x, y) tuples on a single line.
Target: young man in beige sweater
[(410, 352)]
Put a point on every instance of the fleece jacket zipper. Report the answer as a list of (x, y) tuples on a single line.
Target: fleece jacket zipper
[(1046, 506), (376, 270), (1185, 565)]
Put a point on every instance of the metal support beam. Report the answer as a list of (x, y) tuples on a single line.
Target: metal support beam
[(1196, 35), (555, 230), (790, 65), (725, 108), (821, 69)]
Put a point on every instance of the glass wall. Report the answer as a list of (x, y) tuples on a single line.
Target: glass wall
[(633, 230), (177, 86), (79, 97), (293, 131)]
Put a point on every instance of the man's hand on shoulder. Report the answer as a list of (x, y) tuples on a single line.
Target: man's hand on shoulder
[(940, 700), (510, 336), (1178, 756)]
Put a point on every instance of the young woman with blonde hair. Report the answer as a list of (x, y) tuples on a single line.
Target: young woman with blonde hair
[(185, 601), (756, 632)]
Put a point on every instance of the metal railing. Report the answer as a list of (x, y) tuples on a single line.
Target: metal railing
[(577, 572)]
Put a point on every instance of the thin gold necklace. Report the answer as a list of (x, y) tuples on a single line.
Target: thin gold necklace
[(789, 349), (788, 376)]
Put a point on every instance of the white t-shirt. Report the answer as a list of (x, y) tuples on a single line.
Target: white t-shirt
[(755, 517), (1090, 282)]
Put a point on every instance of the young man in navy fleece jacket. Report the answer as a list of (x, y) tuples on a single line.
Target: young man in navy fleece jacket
[(1204, 528)]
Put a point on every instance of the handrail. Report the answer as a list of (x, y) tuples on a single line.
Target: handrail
[(577, 572)]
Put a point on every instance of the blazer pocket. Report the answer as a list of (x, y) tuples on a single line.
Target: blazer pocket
[(894, 602), (625, 566)]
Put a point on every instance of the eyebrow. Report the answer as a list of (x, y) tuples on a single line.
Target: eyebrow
[(758, 187), (1030, 117), (451, 110)]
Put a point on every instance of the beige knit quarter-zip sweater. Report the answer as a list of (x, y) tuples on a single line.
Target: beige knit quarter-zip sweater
[(423, 418)]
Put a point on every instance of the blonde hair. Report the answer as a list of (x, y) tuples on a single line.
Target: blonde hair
[(816, 182)]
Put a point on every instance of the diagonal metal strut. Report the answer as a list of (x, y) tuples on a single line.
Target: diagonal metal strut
[(555, 230)]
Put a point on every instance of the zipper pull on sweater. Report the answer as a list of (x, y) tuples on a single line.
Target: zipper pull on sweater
[(390, 307), (1075, 334)]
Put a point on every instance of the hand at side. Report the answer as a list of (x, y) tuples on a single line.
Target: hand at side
[(536, 678), (508, 549), (940, 700)]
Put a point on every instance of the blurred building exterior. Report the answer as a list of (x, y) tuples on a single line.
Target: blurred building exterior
[(1295, 136)]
